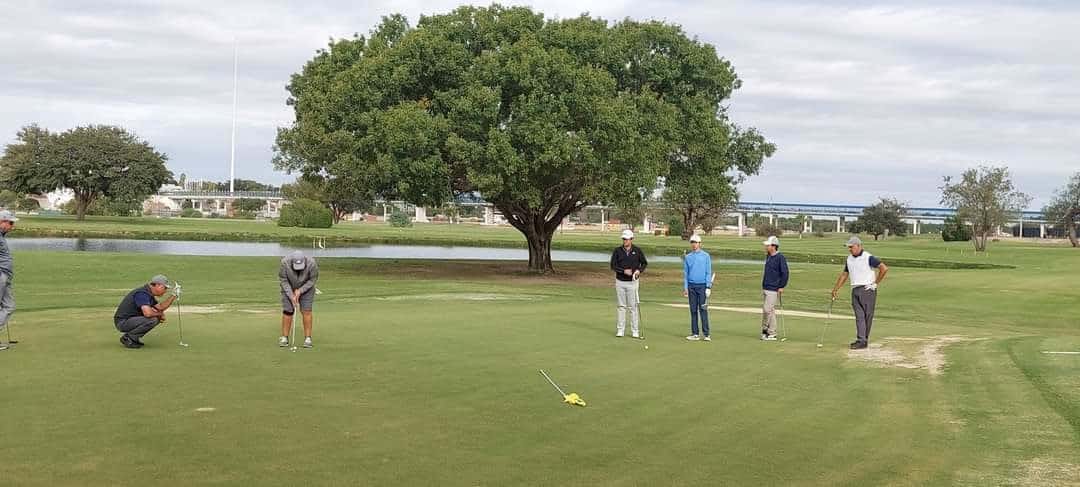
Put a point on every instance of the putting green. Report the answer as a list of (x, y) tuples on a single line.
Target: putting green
[(407, 385)]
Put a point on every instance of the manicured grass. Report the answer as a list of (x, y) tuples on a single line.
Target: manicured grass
[(425, 373)]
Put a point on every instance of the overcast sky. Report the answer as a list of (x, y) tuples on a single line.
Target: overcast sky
[(863, 99)]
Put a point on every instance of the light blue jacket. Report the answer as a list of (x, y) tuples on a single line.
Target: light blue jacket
[(697, 269)]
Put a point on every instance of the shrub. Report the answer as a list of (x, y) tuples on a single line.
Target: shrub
[(305, 214), (954, 230), (400, 220), (190, 213), (768, 230), (675, 226), (29, 204), (819, 233)]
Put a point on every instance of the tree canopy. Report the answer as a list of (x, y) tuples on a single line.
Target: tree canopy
[(1065, 208), (94, 161), (985, 198), (881, 218), (540, 116)]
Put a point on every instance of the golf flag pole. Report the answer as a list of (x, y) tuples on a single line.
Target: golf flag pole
[(572, 399), (553, 384)]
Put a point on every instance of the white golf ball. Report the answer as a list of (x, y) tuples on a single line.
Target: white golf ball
[(646, 347)]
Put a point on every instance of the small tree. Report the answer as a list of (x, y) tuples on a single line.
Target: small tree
[(766, 229), (29, 204), (881, 218), (954, 230), (9, 199), (249, 205), (94, 162), (306, 214), (1065, 208), (986, 198)]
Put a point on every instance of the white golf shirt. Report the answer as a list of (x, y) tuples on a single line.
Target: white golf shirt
[(860, 269)]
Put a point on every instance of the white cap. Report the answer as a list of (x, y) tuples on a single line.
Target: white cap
[(772, 240), (853, 241), (695, 238), (628, 234)]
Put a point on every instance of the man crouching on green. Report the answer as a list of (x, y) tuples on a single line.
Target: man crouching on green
[(140, 311)]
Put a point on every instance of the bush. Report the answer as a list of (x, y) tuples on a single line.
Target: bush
[(675, 226), (819, 233), (29, 204), (9, 199), (955, 230), (190, 213), (305, 214), (400, 220), (768, 230)]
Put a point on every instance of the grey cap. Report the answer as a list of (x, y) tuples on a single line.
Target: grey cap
[(853, 241), (298, 261), (695, 238), (7, 216), (162, 280)]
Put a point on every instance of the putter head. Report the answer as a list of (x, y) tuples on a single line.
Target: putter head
[(182, 344)]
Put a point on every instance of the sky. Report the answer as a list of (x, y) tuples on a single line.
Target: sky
[(863, 99)]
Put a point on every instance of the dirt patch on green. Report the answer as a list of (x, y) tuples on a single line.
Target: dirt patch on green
[(926, 353)]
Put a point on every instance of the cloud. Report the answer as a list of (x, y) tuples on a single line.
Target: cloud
[(863, 101)]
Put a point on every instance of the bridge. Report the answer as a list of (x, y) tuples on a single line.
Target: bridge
[(811, 212)]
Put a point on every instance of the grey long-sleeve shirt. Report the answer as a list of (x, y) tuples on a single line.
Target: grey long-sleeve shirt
[(303, 280), (6, 264)]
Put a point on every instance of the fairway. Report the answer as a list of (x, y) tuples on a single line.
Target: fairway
[(426, 373)]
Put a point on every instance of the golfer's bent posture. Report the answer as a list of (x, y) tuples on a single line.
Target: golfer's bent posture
[(299, 274), (628, 262), (7, 272), (864, 284), (773, 282), (697, 285), (139, 311)]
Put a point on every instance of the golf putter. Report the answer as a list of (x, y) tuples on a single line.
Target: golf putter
[(641, 320), (292, 331), (828, 319), (9, 340), (783, 320), (179, 321)]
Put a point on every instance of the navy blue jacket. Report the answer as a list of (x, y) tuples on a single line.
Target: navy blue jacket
[(776, 273)]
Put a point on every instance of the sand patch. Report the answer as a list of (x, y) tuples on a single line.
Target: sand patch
[(787, 312), (205, 410), (1047, 472), (461, 297), (202, 310), (909, 352)]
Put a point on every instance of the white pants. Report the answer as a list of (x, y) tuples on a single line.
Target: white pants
[(627, 294)]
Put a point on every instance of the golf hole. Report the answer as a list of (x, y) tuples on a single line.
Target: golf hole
[(205, 410)]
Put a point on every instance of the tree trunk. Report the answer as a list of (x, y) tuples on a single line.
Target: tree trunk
[(980, 241), (1070, 229), (538, 230), (82, 202), (689, 222)]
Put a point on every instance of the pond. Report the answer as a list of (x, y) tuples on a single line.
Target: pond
[(267, 249)]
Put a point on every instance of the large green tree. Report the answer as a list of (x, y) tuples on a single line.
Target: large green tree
[(1065, 208), (985, 198), (541, 117), (94, 161), (881, 218)]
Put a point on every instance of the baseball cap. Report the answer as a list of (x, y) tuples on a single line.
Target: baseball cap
[(853, 241), (627, 234), (695, 238), (772, 240), (299, 261), (7, 216), (162, 280)]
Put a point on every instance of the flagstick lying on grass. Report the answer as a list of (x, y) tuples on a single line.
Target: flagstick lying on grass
[(572, 399)]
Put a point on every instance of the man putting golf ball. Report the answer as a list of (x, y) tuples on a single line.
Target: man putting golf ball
[(139, 311), (697, 286), (7, 272), (864, 285), (773, 282), (298, 275), (628, 262)]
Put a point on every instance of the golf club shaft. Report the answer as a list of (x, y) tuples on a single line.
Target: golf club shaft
[(553, 384), (828, 319)]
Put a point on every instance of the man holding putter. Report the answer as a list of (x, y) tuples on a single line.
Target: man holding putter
[(773, 282), (864, 284), (628, 262), (298, 275)]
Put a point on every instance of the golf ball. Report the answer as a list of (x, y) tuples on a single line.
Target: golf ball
[(646, 347)]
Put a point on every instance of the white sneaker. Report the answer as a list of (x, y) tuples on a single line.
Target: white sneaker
[(635, 335), (618, 334), (307, 342), (693, 338), (3, 346), (708, 338), (283, 342), (770, 338)]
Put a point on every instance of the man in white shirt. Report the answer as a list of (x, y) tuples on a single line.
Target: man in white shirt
[(864, 284)]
